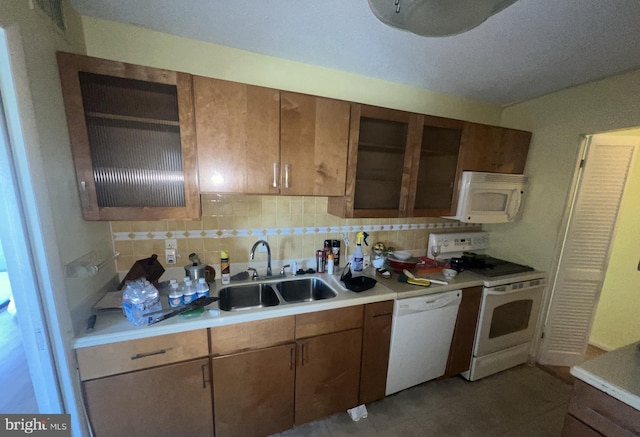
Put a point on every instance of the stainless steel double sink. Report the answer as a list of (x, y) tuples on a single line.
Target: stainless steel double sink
[(269, 294)]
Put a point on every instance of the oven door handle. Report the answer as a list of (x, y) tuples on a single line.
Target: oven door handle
[(489, 292)]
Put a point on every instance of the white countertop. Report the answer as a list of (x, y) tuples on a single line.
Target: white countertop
[(112, 326), (616, 373)]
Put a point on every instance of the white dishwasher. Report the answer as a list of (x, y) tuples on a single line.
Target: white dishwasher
[(421, 336)]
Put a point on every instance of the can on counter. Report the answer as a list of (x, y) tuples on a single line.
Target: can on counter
[(335, 248), (321, 260)]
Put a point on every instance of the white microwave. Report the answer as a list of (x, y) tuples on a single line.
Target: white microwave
[(490, 197)]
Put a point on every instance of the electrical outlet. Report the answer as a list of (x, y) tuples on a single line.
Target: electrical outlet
[(170, 250)]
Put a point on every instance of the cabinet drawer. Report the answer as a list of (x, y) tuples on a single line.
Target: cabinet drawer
[(252, 335), (602, 412), (110, 359), (325, 322)]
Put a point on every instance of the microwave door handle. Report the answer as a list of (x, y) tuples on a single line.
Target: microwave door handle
[(514, 204)]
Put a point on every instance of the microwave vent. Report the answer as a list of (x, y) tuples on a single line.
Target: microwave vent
[(497, 177)]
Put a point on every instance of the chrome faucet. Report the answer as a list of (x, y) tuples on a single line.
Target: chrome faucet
[(253, 250)]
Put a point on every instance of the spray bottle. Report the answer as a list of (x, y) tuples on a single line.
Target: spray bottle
[(357, 264)]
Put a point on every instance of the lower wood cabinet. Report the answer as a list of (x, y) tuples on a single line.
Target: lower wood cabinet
[(464, 332), (297, 378), (376, 341), (253, 392), (327, 375), (594, 413), (172, 400), (261, 377)]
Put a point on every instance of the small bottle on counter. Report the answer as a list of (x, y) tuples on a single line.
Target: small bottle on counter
[(189, 292), (202, 289), (330, 263), (225, 268), (175, 294)]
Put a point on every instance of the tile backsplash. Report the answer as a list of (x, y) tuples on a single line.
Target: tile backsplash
[(294, 226)]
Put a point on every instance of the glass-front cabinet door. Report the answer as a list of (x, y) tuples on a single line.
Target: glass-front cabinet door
[(132, 138), (380, 145), (434, 184), (400, 164)]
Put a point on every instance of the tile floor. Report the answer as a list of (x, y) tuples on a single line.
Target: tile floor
[(520, 402)]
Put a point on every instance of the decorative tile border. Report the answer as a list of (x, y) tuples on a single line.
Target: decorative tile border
[(265, 232)]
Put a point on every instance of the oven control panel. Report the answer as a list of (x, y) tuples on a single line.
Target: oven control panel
[(453, 244)]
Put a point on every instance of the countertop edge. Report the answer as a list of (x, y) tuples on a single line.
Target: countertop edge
[(611, 371), (112, 327)]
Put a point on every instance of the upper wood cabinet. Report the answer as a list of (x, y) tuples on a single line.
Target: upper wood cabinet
[(238, 129), (314, 136), (132, 137), (493, 149), (258, 140), (400, 164)]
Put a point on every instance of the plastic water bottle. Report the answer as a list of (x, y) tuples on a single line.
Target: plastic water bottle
[(202, 288), (189, 292), (138, 299), (175, 295)]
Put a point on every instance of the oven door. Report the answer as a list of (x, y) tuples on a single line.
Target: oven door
[(507, 318)]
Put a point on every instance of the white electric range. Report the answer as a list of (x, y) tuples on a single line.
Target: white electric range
[(511, 300)]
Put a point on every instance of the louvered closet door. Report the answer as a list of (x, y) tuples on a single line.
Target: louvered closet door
[(585, 252)]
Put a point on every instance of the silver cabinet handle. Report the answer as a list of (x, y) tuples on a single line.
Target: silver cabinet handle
[(204, 379), (286, 175), (148, 354), (291, 350), (275, 175)]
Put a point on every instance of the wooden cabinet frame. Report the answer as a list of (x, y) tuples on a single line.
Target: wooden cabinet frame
[(70, 66), (345, 206)]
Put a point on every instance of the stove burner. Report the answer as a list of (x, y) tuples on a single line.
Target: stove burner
[(488, 266)]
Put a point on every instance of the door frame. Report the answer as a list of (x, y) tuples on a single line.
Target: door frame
[(30, 245), (572, 196)]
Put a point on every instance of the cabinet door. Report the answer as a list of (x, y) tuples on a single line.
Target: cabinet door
[(514, 147), (380, 160), (434, 187), (173, 400), (493, 149), (253, 392), (464, 332), (376, 340), (129, 125), (238, 129), (327, 375), (314, 136)]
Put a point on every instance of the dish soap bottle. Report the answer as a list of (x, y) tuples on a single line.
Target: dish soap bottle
[(358, 257), (225, 269)]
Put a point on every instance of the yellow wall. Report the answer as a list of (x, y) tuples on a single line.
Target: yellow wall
[(557, 121), (617, 322), (110, 40)]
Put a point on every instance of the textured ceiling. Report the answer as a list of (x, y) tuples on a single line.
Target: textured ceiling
[(532, 48)]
